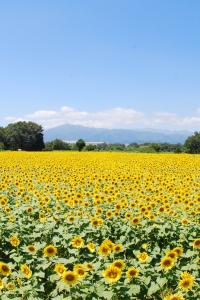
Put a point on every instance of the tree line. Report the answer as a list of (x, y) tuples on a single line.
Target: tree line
[(28, 136)]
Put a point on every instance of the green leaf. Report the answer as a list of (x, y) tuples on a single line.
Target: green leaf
[(161, 281), (39, 274), (26, 288), (107, 294), (135, 289), (153, 288), (45, 266), (17, 258)]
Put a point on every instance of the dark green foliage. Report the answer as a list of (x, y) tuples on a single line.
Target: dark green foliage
[(90, 147), (178, 150), (133, 145), (166, 147), (156, 147), (2, 147), (27, 136), (102, 146), (80, 144), (48, 146), (192, 144), (116, 146), (59, 145)]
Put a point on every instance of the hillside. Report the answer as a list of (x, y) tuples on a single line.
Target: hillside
[(74, 132)]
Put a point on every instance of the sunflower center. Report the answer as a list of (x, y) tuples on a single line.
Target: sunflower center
[(113, 274), (118, 265), (167, 262), (70, 277), (50, 250), (186, 283), (5, 268), (132, 273)]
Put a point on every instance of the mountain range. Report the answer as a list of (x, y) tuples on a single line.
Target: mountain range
[(123, 136)]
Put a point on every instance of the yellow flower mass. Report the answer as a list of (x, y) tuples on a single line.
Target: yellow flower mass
[(75, 225)]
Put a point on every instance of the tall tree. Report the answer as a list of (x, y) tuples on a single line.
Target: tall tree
[(80, 144), (24, 135), (60, 145), (192, 144)]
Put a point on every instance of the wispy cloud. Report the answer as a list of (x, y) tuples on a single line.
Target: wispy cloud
[(112, 118)]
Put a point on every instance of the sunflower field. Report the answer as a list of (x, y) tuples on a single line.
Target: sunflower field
[(99, 226)]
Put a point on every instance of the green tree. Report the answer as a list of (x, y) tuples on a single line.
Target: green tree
[(48, 146), (90, 147), (192, 144), (178, 150), (133, 145), (80, 144), (2, 147), (2, 135), (102, 146), (27, 136), (156, 147), (60, 145)]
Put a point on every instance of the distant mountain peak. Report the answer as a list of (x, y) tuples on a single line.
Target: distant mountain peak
[(123, 136)]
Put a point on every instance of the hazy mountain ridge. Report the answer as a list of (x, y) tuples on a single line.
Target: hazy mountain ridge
[(89, 134)]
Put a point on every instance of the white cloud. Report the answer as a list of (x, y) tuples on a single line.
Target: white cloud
[(10, 118), (164, 114), (198, 110), (112, 118), (43, 114)]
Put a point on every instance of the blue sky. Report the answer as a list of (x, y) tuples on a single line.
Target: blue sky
[(108, 63)]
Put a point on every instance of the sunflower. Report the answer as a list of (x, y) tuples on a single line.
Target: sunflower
[(167, 263), (172, 254), (104, 249), (70, 278), (196, 243), (26, 271), (10, 286), (7, 210), (50, 251), (109, 214), (29, 210), (143, 256), (184, 221), (178, 250), (91, 247), (78, 266), (186, 283), (185, 275), (112, 274), (71, 219), (81, 273), (117, 248), (135, 221), (176, 297), (14, 241), (95, 222), (58, 207), (119, 264), (89, 266), (31, 249), (60, 269), (198, 261), (77, 242), (128, 215), (116, 214), (132, 272)]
